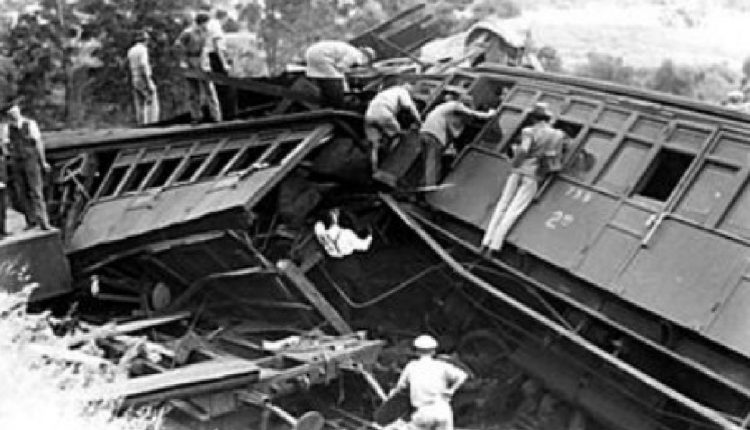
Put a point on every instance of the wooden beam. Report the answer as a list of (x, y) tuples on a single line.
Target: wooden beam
[(295, 275), (249, 84)]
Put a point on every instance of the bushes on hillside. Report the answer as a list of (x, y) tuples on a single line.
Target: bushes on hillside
[(707, 83), (49, 386)]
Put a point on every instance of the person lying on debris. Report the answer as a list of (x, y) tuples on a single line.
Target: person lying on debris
[(431, 384), (381, 124), (327, 61), (441, 127), (339, 241), (539, 152)]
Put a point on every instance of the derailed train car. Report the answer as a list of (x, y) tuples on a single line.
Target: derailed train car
[(622, 288)]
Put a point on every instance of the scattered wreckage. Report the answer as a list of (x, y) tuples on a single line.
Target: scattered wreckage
[(618, 302)]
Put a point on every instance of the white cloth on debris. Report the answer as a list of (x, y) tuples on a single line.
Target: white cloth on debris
[(340, 242)]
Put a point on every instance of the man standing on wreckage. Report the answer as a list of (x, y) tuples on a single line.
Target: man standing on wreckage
[(431, 384), (539, 152)]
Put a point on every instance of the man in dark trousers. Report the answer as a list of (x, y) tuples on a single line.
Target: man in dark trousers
[(327, 63), (29, 162), (440, 128), (219, 63), (191, 48)]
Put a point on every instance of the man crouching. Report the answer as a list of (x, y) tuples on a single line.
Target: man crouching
[(431, 383)]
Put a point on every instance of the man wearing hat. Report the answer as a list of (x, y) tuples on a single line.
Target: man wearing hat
[(28, 161), (431, 384), (145, 97), (327, 61), (191, 45), (441, 127), (539, 152)]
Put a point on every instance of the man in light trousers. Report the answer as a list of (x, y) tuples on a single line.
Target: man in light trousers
[(539, 151)]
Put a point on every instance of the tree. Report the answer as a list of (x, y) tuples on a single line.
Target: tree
[(670, 78), (606, 67)]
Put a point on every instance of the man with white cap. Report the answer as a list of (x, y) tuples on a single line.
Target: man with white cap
[(431, 383), (539, 152), (327, 61)]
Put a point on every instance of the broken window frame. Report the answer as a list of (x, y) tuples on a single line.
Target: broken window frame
[(200, 149), (666, 142)]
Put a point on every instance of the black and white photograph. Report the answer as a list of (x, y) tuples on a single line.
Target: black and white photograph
[(374, 214)]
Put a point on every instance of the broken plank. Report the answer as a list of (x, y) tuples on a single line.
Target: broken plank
[(111, 330), (295, 275), (251, 85), (189, 380)]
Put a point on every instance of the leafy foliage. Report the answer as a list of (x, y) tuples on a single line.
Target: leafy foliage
[(53, 384)]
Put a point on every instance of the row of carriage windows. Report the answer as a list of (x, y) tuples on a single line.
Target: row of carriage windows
[(644, 157), (134, 171)]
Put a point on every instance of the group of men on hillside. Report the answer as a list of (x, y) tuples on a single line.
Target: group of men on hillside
[(201, 48)]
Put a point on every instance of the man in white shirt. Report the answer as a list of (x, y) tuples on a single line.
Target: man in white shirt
[(28, 161), (431, 384), (381, 123), (145, 97), (216, 49), (327, 61)]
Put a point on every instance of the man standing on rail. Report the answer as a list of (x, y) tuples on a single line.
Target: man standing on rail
[(381, 124), (327, 61), (145, 98), (440, 128), (191, 46), (539, 152), (28, 161), (431, 384)]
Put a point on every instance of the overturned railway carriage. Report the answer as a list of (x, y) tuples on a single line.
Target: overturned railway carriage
[(622, 287)]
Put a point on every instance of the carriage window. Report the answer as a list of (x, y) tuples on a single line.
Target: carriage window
[(164, 171), (664, 174), (738, 219), (580, 110), (625, 164), (688, 138), (735, 149), (713, 183), (192, 166), (136, 178), (249, 156), (648, 128), (115, 177), (217, 164), (613, 118)]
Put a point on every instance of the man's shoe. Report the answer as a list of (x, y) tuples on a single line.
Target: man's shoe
[(30, 227)]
